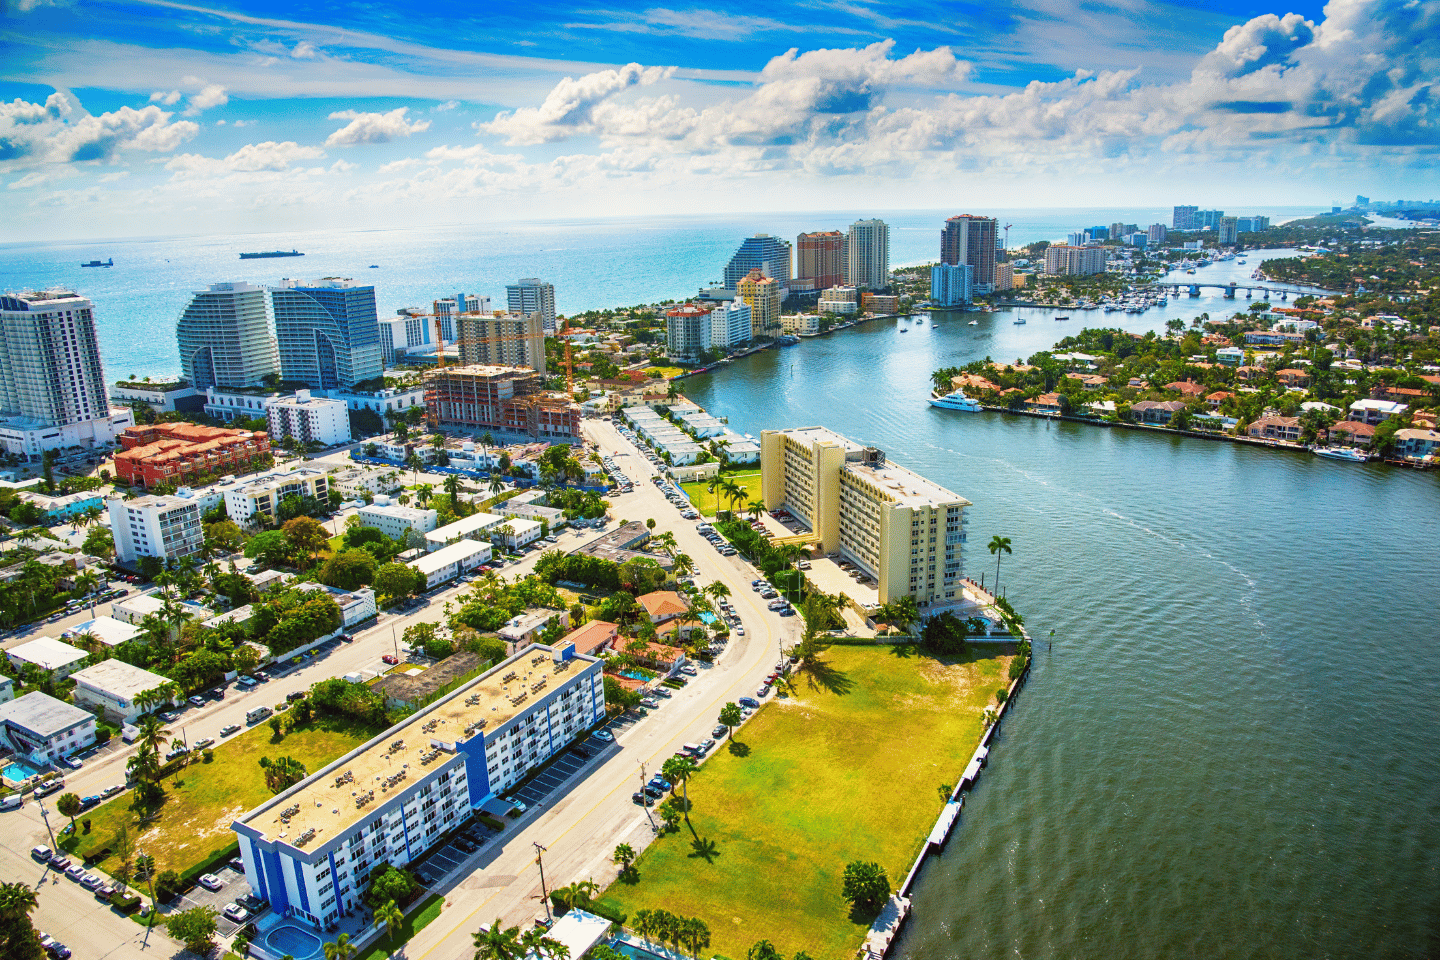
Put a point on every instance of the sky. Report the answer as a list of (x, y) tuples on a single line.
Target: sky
[(162, 117)]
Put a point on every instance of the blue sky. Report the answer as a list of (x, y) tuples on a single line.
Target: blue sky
[(265, 116)]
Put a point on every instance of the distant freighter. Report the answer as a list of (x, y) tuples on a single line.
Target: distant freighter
[(271, 253), (100, 263)]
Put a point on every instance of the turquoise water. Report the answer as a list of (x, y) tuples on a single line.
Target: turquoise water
[(1233, 747), (635, 675), (18, 768)]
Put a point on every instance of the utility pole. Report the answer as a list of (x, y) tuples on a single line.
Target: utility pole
[(45, 815), (645, 798), (544, 894)]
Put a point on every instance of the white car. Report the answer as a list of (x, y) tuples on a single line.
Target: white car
[(235, 912), (211, 882)]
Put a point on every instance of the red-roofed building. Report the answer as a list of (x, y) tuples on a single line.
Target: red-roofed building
[(1214, 400), (1276, 428), (663, 606), (594, 636), (659, 656), (1290, 377), (1188, 388), (180, 453), (1353, 432)]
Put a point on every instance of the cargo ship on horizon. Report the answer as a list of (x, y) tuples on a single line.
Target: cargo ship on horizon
[(267, 254)]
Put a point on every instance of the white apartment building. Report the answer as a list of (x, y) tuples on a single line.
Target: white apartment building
[(1068, 259), (905, 531), (688, 331), (228, 403), (225, 339), (166, 527), (532, 295), (867, 254), (396, 521), (730, 324), (111, 686), (309, 420), (801, 324), (256, 500), (838, 300), (477, 526), (952, 284), (43, 729), (47, 654), (447, 563), (309, 850), (52, 385)]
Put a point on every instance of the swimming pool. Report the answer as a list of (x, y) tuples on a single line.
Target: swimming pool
[(637, 675), (708, 617), (19, 769), (292, 940)]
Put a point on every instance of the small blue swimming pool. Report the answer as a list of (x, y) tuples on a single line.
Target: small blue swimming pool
[(298, 943), (634, 675), (708, 617), (19, 769)]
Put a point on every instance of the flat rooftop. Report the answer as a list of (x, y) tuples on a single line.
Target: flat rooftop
[(907, 487), (330, 804), (119, 678), (825, 434), (42, 714)]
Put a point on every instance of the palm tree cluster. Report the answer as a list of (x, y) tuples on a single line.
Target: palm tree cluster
[(664, 927), (725, 489), (508, 943), (145, 766)]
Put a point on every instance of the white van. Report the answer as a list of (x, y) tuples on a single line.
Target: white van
[(694, 749), (256, 715)]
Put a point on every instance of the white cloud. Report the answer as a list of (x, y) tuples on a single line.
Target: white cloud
[(168, 99), (373, 127), (254, 158), (304, 50), (211, 95), (568, 108), (447, 105), (60, 130)]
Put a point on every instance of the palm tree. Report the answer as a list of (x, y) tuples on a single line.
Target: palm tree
[(424, 492), (683, 564), (497, 486), (497, 943), (341, 949), (86, 583), (999, 545), (695, 935), (391, 916), (452, 487), (152, 734), (678, 770), (17, 900), (414, 463), (717, 590), (763, 950), (535, 943), (756, 509)]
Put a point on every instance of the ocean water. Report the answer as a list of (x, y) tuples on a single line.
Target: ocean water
[(594, 264), (1232, 748)]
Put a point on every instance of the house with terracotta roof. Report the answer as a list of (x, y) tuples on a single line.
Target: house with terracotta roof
[(658, 656), (1285, 429), (662, 606), (973, 383), (1156, 411), (1187, 388), (181, 453), (1250, 373), (1290, 377), (1214, 400), (1092, 381), (1048, 403), (593, 637), (1353, 433)]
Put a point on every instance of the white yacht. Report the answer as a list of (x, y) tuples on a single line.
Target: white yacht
[(957, 401), (1347, 454)]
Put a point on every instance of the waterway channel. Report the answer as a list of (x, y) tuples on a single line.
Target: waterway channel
[(1233, 747)]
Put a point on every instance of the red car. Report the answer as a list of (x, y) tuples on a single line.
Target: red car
[(390, 658)]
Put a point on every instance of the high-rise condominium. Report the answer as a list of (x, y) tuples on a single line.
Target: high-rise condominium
[(533, 295), (225, 339), (52, 386), (970, 239), (1184, 218), (762, 295), (504, 339), (951, 284), (770, 255), (868, 255), (327, 330), (821, 257)]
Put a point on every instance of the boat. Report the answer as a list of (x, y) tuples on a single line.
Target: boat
[(974, 323), (1347, 454), (374, 266), (1020, 321), (100, 263), (1058, 319), (267, 254), (904, 329), (956, 401)]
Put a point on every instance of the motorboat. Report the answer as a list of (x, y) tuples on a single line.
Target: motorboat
[(974, 323), (957, 401), (1020, 321), (1346, 454)]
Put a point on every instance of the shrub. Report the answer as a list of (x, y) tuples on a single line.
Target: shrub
[(207, 755)]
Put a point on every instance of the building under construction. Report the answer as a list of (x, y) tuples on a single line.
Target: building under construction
[(508, 400), (506, 339)]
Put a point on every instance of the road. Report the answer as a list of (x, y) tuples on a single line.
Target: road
[(581, 822)]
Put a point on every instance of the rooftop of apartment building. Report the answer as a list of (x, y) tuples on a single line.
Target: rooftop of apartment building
[(823, 435), (267, 480), (23, 299), (160, 502), (904, 486), (396, 759)]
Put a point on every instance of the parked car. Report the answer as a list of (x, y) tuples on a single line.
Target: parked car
[(235, 912), (688, 669), (660, 783), (750, 702), (643, 799), (247, 682), (196, 701), (390, 658), (604, 735), (467, 845), (720, 731), (75, 872), (169, 716), (211, 882), (57, 950), (59, 862), (346, 638), (204, 742), (91, 801), (42, 854), (225, 731), (70, 762), (113, 789), (45, 789)]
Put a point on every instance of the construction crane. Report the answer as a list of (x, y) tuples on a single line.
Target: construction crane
[(1007, 236)]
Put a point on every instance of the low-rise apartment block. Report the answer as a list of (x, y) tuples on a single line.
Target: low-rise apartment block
[(111, 687), (310, 849), (447, 563), (903, 530), (179, 453), (477, 526), (258, 499), (43, 729), (309, 420), (396, 521), (165, 527)]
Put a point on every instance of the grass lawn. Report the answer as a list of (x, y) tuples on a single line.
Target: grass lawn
[(193, 826), (415, 921), (705, 501), (854, 765)]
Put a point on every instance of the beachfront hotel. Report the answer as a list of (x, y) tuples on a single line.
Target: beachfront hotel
[(903, 530), (310, 849)]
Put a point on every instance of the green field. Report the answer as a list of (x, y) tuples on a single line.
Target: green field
[(854, 765), (193, 825), (704, 500)]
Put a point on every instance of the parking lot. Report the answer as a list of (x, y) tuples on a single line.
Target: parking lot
[(235, 888), (570, 763)]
